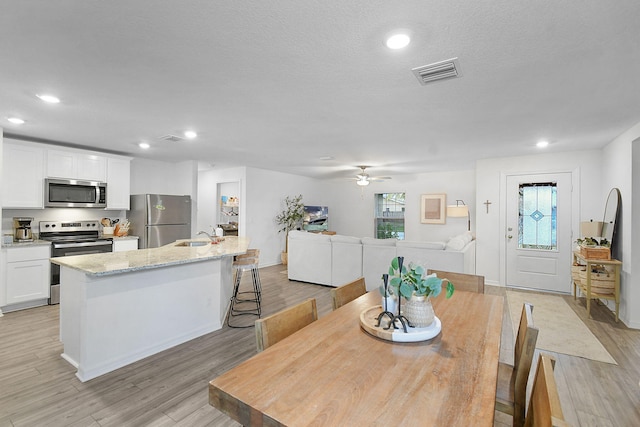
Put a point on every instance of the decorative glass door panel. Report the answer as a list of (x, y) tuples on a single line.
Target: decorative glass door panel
[(537, 217)]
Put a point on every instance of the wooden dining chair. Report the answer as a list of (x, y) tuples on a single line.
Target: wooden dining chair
[(280, 325), (544, 403), (461, 281), (347, 293), (512, 380)]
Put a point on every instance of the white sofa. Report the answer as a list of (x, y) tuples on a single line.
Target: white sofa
[(336, 260)]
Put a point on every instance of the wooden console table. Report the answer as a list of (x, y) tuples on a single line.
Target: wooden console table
[(586, 287)]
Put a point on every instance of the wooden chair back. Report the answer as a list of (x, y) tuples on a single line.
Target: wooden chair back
[(280, 325), (512, 380), (544, 404), (347, 293), (461, 281)]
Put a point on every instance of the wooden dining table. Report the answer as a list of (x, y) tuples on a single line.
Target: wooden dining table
[(333, 373)]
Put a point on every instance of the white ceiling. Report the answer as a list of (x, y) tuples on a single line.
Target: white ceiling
[(278, 84)]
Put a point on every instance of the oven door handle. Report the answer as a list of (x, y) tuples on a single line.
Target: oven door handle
[(82, 244)]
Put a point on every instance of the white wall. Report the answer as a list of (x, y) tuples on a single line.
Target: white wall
[(490, 173), (3, 292), (156, 177), (621, 169), (208, 197), (265, 195), (351, 208), (631, 289), (261, 195)]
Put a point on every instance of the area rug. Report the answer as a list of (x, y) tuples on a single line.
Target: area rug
[(561, 330)]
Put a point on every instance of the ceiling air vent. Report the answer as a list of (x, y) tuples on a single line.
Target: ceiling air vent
[(438, 71), (171, 138)]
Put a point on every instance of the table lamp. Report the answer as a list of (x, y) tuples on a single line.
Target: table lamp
[(590, 229)]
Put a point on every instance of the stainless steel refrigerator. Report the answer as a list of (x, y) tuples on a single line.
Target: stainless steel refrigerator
[(159, 219)]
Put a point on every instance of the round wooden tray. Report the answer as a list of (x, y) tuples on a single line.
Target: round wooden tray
[(369, 318)]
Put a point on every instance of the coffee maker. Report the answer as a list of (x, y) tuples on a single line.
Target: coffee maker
[(22, 229)]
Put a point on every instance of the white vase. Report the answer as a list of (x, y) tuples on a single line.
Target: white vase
[(391, 304), (418, 311)]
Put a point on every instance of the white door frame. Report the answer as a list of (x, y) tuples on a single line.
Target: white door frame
[(502, 229)]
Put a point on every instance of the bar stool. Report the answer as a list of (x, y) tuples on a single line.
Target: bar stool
[(246, 302)]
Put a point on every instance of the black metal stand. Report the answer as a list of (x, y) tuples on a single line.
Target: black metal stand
[(255, 301), (393, 319), (386, 312)]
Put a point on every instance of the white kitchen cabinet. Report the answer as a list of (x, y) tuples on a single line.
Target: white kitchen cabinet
[(125, 245), (22, 176), (61, 164), (92, 167), (27, 274), (76, 165), (118, 183)]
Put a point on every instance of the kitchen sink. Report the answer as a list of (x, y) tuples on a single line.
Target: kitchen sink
[(193, 243)]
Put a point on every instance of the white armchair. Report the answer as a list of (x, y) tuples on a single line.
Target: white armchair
[(346, 259), (309, 258)]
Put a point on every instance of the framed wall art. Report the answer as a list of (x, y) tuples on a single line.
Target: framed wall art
[(433, 208)]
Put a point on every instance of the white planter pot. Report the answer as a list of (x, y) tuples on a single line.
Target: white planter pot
[(418, 311)]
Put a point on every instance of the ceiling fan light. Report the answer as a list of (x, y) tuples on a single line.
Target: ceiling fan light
[(362, 182)]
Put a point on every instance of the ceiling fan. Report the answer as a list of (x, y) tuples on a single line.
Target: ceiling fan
[(363, 178)]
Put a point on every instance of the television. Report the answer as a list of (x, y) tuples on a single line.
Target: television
[(316, 218)]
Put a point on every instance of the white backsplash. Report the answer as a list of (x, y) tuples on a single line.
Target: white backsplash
[(57, 214)]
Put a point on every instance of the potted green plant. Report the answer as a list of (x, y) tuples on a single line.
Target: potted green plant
[(412, 283), (290, 219)]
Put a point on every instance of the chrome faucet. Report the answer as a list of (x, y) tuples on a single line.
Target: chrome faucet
[(212, 238)]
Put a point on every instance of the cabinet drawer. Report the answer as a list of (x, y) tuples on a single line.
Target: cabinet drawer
[(28, 254)]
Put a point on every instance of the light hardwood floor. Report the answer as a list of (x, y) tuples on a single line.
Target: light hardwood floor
[(38, 388)]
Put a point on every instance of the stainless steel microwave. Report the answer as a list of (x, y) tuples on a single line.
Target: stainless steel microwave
[(73, 193)]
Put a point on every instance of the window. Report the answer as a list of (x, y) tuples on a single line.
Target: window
[(389, 216), (537, 216)]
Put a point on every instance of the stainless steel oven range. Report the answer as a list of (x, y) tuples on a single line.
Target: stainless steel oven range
[(71, 238)]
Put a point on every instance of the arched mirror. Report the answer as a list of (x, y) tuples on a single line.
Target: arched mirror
[(610, 215)]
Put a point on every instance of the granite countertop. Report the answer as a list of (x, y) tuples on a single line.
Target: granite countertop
[(36, 242), (143, 259)]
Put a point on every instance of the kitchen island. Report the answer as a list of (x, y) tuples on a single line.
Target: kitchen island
[(120, 307)]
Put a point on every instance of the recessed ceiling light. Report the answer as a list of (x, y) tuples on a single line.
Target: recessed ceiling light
[(542, 144), (15, 120), (190, 134), (49, 98), (326, 158), (398, 41), (144, 145)]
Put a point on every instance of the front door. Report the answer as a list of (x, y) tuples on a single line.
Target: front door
[(538, 235)]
